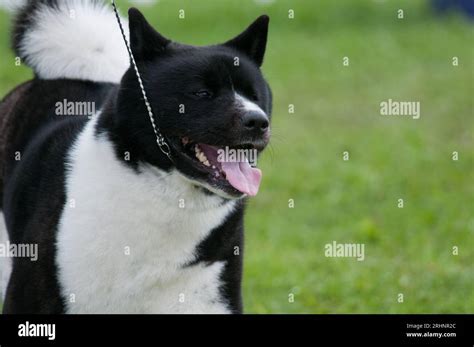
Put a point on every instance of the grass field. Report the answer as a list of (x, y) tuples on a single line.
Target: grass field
[(408, 250)]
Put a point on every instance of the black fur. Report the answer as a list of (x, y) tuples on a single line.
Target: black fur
[(174, 75), (34, 187), (226, 243)]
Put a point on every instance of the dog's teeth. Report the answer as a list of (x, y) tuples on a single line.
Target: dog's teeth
[(201, 157)]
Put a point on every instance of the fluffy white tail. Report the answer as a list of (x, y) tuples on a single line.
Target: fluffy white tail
[(77, 39), (12, 5)]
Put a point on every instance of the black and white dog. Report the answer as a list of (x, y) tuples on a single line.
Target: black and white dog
[(120, 227)]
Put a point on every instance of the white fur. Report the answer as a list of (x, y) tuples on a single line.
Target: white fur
[(80, 40), (5, 262), (110, 207), (247, 105), (12, 5)]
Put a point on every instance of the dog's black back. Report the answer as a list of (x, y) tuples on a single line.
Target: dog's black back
[(42, 159)]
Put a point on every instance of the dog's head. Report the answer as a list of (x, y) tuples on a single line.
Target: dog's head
[(211, 104)]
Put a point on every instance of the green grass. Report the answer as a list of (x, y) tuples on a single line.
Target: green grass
[(407, 250)]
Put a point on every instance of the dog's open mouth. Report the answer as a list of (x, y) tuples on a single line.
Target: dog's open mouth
[(224, 171)]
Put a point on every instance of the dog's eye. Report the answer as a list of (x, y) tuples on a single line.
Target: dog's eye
[(203, 94)]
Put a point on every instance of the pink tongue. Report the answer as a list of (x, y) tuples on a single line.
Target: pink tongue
[(243, 177)]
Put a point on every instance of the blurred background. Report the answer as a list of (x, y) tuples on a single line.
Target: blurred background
[(405, 56)]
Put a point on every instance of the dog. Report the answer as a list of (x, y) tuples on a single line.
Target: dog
[(121, 225)]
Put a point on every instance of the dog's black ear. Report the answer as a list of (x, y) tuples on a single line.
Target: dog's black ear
[(253, 40), (146, 43)]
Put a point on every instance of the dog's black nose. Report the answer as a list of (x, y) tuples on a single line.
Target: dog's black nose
[(255, 122)]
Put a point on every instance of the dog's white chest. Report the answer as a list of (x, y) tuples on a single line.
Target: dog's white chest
[(126, 240)]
